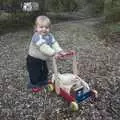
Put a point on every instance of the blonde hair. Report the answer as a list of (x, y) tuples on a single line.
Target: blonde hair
[(42, 19)]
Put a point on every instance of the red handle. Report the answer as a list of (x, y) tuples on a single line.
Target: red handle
[(66, 55)]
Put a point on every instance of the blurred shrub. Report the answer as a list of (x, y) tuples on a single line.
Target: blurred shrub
[(112, 10), (62, 5), (97, 6), (113, 15)]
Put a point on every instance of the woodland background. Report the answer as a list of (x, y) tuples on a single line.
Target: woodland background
[(92, 28)]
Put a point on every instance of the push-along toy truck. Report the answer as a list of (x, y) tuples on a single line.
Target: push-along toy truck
[(70, 85)]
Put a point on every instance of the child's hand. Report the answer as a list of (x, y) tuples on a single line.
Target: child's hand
[(60, 55), (65, 54)]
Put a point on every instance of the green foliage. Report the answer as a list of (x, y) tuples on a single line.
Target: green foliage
[(62, 5), (112, 10), (97, 6), (114, 28), (113, 15), (8, 1), (16, 21), (116, 3)]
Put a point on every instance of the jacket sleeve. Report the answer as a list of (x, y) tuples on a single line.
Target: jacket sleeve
[(47, 50), (56, 47)]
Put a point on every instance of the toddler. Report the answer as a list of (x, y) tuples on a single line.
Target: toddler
[(42, 46)]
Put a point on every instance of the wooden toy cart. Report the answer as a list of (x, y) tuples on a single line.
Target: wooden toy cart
[(70, 85)]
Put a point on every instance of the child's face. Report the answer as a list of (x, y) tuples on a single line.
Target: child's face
[(43, 28)]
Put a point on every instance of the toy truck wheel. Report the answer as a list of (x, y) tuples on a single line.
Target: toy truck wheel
[(74, 106), (94, 94), (50, 87)]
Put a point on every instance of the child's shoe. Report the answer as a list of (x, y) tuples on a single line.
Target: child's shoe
[(47, 88), (36, 90)]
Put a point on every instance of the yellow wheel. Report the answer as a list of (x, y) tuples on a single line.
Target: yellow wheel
[(50, 87), (74, 106)]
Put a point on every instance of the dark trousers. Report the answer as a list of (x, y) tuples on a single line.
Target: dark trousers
[(38, 71)]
